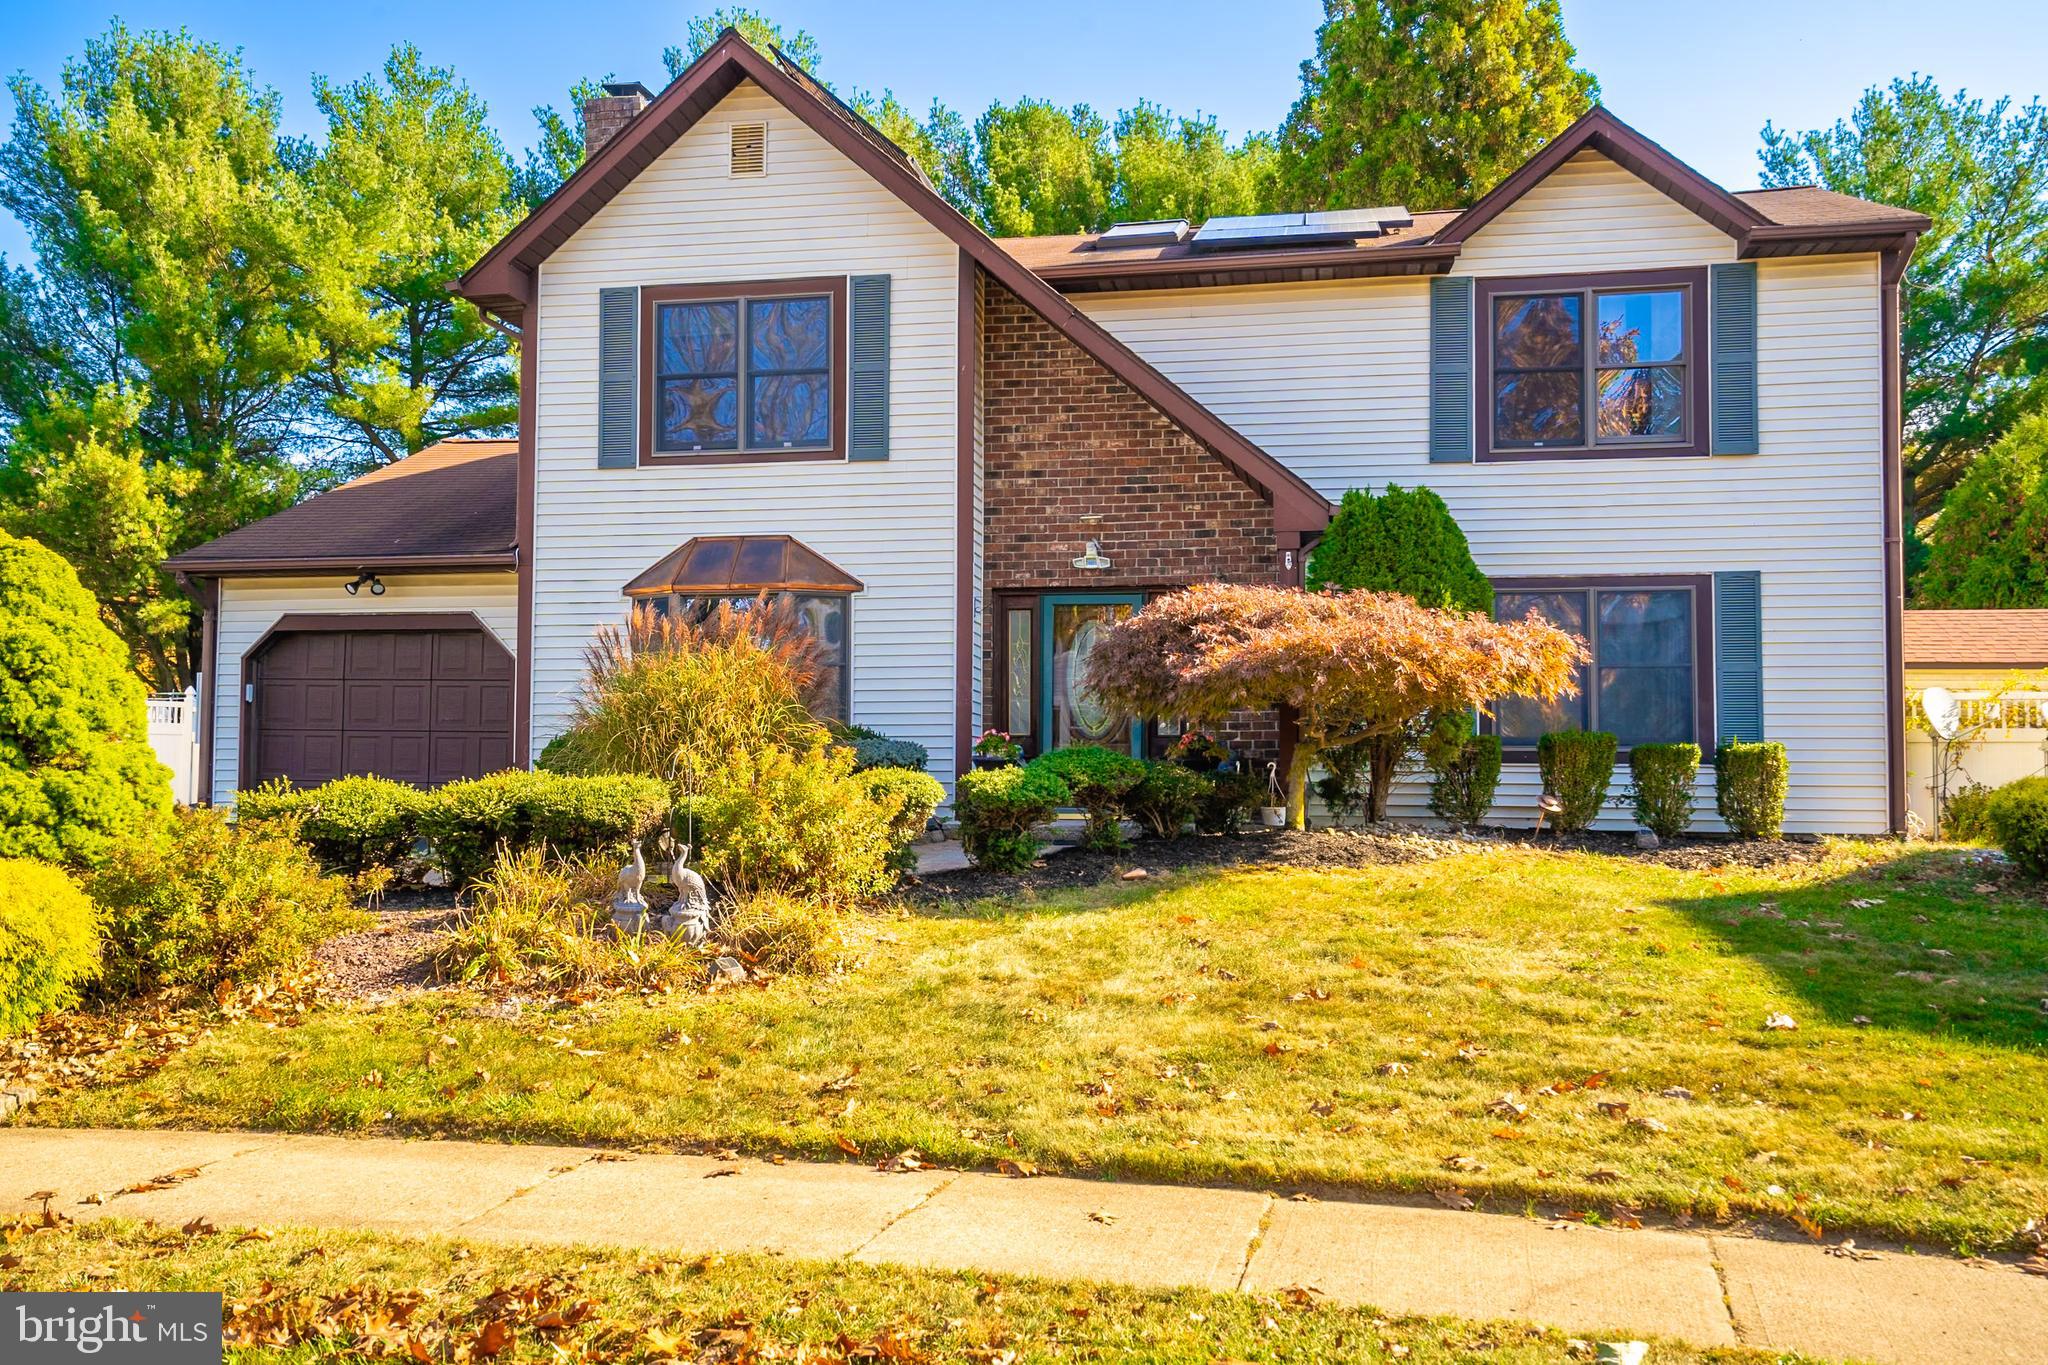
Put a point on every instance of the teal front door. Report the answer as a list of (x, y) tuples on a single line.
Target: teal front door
[(1069, 712)]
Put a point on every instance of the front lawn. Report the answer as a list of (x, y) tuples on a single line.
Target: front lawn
[(1579, 1031), (306, 1297)]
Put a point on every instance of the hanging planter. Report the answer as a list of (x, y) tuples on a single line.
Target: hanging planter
[(1273, 815)]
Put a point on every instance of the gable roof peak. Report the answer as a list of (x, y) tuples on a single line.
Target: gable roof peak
[(1600, 130)]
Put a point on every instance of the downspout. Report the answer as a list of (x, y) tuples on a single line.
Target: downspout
[(1892, 270)]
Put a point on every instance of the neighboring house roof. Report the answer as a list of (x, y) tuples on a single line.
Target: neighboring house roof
[(1797, 221), (503, 279), (451, 506), (1977, 639)]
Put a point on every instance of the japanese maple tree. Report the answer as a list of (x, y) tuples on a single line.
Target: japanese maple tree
[(1351, 666)]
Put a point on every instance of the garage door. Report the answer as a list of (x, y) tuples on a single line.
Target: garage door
[(424, 706)]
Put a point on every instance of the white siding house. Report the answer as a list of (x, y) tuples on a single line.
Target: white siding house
[(1332, 378), (892, 524)]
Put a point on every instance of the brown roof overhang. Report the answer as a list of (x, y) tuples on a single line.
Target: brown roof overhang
[(501, 282)]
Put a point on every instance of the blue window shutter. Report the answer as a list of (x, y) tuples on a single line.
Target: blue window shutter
[(618, 378), (1739, 655), (869, 397), (1732, 326), (1450, 370)]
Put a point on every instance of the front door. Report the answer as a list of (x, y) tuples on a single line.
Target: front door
[(1070, 712)]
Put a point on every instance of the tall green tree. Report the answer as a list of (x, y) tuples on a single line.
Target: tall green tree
[(1975, 298), (1989, 546), (1168, 167), (180, 254), (558, 151), (424, 187), (1040, 168), (757, 28), (77, 480), (1427, 103)]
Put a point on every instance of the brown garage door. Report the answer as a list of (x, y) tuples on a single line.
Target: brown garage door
[(424, 705)]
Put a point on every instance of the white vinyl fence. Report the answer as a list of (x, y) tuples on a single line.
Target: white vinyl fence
[(2013, 744), (174, 734)]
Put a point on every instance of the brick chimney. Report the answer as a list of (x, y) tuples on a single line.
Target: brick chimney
[(606, 114)]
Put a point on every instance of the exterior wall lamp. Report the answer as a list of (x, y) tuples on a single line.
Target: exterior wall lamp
[(356, 585), (1092, 557)]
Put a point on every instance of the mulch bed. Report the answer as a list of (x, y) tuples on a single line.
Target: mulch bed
[(1327, 849), (394, 954)]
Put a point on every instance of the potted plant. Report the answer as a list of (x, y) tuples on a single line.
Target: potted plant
[(995, 749), (1199, 751)]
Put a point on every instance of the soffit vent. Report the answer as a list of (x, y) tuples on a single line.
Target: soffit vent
[(749, 149)]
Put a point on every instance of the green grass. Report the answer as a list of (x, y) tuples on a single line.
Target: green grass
[(1231, 1027), (329, 1296)]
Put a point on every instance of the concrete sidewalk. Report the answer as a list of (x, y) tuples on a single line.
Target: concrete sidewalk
[(1703, 1288)]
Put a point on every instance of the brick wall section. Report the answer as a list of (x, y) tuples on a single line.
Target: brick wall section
[(1066, 439)]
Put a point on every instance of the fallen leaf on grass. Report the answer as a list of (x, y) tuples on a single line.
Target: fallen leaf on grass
[(1782, 1022), (846, 1144), (1392, 1068), (1020, 1170), (1603, 1176), (1807, 1226), (1648, 1124), (1507, 1106), (493, 1339), (1452, 1198), (904, 1161), (1675, 1092), (1462, 1162), (1614, 1109), (199, 1227)]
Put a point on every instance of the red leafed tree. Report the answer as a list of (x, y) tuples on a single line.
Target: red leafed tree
[(1350, 665)]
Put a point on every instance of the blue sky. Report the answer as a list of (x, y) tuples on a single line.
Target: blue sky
[(1701, 79)]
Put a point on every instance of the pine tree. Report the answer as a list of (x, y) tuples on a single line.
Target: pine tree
[(1427, 103)]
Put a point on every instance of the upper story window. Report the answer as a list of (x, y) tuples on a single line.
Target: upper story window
[(744, 372), (1648, 680), (1608, 366)]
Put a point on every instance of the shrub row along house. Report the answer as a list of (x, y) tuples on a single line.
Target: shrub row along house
[(760, 352)]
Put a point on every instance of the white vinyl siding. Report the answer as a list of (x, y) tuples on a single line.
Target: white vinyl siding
[(250, 606), (892, 524), (1331, 378)]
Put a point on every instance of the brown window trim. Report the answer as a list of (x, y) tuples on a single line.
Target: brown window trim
[(1702, 586), (739, 292), (1698, 377)]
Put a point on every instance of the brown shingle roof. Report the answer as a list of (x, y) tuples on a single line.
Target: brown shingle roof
[(451, 505), (1980, 639), (1812, 206)]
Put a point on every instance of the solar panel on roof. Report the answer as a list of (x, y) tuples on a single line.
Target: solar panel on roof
[(1245, 231), (1152, 232)]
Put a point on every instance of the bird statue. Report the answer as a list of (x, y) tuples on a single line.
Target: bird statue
[(690, 916), (629, 911)]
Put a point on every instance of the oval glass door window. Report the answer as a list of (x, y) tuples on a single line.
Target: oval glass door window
[(1079, 715)]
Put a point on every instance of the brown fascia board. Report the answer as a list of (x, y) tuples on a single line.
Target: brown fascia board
[(1424, 258), (274, 567), (500, 281)]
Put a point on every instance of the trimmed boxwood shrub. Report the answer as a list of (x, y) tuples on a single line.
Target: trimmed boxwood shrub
[(1168, 797), (76, 771), (1577, 767), (468, 821), (872, 749), (916, 795), (999, 808), (1098, 780), (1463, 778), (2019, 821), (49, 942), (350, 823), (1749, 787), (206, 902), (1661, 787)]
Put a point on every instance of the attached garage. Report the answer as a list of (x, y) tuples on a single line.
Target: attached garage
[(371, 629), (424, 699)]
